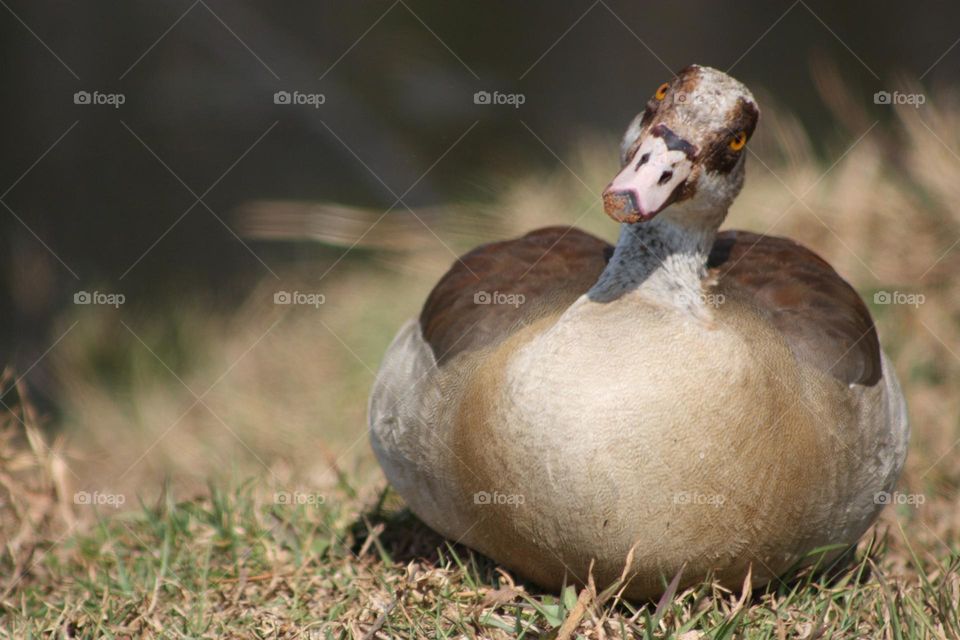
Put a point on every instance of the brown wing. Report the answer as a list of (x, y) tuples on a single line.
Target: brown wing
[(821, 316), (499, 287)]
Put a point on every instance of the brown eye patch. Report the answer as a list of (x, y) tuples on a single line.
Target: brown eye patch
[(649, 112), (720, 157)]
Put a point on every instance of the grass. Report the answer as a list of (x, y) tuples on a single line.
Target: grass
[(233, 565), (252, 506)]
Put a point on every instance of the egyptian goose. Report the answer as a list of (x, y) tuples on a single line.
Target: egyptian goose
[(715, 402)]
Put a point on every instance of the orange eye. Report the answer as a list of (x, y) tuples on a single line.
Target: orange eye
[(662, 91), (738, 141)]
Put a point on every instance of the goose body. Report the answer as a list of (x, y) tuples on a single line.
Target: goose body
[(716, 403)]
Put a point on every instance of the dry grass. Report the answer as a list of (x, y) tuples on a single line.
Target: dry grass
[(203, 549)]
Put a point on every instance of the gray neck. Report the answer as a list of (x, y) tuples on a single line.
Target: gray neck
[(660, 261)]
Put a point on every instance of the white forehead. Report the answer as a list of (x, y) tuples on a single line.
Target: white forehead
[(707, 101), (699, 105)]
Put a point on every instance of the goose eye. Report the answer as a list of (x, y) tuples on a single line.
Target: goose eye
[(738, 141), (662, 91)]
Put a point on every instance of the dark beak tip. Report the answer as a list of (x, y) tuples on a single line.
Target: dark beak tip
[(622, 206), (623, 201)]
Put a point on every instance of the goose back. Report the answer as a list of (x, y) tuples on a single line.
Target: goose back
[(498, 288)]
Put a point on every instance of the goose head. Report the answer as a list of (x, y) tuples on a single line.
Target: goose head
[(685, 152)]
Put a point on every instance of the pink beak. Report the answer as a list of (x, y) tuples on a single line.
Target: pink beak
[(647, 184)]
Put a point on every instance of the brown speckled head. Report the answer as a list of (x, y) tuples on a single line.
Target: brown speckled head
[(688, 143)]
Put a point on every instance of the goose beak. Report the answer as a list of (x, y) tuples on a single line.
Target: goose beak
[(651, 180)]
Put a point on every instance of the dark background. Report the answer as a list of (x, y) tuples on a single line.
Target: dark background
[(199, 79)]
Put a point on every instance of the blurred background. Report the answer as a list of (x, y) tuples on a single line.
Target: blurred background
[(195, 159)]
